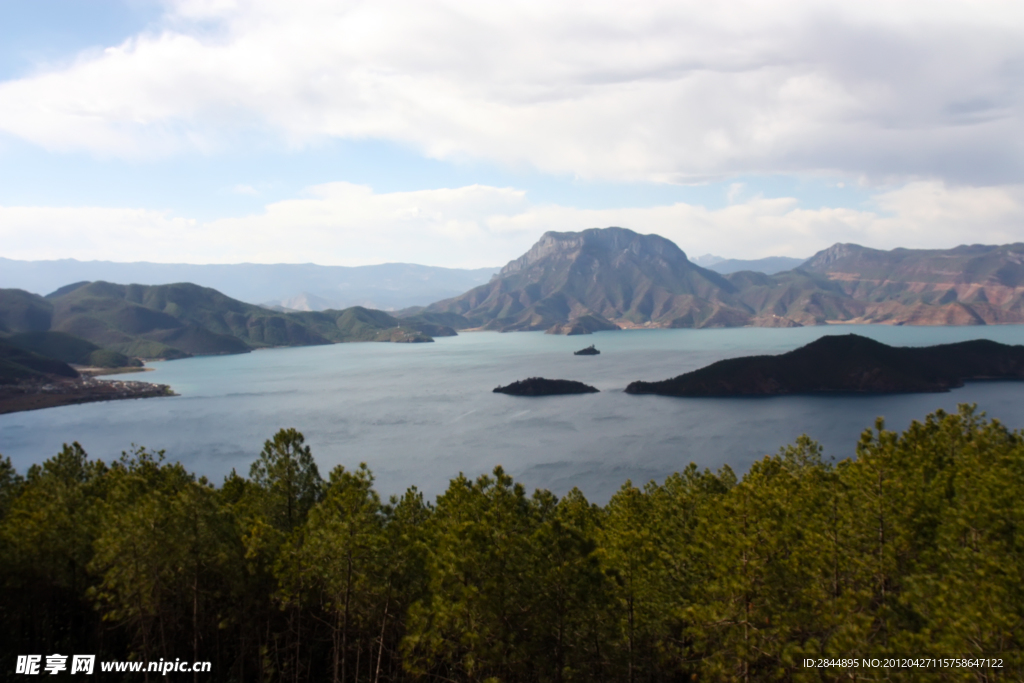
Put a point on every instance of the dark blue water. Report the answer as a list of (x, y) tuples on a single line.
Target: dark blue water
[(419, 414)]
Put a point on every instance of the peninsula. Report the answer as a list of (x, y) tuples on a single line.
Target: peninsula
[(847, 364), (29, 381), (36, 394)]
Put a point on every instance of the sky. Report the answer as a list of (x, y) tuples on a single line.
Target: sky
[(456, 132)]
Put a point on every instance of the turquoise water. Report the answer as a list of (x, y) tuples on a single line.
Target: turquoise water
[(419, 414)]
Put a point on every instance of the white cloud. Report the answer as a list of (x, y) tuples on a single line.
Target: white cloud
[(655, 90), (87, 233), (473, 226)]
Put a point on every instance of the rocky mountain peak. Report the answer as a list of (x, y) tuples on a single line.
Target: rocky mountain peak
[(578, 282), (598, 242), (827, 257), (572, 283)]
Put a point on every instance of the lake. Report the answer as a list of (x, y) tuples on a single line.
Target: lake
[(418, 414)]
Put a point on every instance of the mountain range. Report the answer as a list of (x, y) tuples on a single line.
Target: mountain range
[(579, 282), (305, 286), (567, 283), (768, 265)]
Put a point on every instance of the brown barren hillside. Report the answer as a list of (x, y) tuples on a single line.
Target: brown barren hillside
[(582, 282), (969, 285), (609, 277)]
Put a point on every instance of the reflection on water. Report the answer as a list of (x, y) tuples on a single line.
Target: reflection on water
[(419, 414)]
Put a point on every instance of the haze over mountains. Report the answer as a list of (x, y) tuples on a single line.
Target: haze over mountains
[(614, 277), (770, 265), (387, 286), (301, 287)]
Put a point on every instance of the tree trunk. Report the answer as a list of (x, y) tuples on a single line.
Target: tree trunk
[(383, 623), (344, 632), (195, 621), (336, 644)]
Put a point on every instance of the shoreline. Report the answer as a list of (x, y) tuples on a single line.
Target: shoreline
[(90, 371), (16, 398)]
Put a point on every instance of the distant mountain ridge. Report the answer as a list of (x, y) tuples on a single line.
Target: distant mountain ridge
[(579, 282), (384, 286), (770, 265)]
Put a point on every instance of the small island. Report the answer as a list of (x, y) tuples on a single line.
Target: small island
[(847, 364), (589, 351), (539, 386)]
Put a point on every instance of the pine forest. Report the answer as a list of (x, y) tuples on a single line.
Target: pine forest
[(913, 546)]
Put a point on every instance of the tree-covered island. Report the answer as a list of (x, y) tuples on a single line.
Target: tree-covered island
[(848, 364)]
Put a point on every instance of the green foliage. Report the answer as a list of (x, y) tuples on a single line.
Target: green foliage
[(478, 555), (513, 584), (337, 563), (108, 358), (160, 546), (287, 480), (913, 547), (47, 535), (357, 324), (10, 485), (147, 348)]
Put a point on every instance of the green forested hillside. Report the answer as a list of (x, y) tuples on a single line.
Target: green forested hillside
[(18, 364), (914, 547), (69, 349), (364, 324), (175, 321), (22, 311), (184, 317)]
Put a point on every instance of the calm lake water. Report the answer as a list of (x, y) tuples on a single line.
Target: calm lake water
[(418, 414)]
